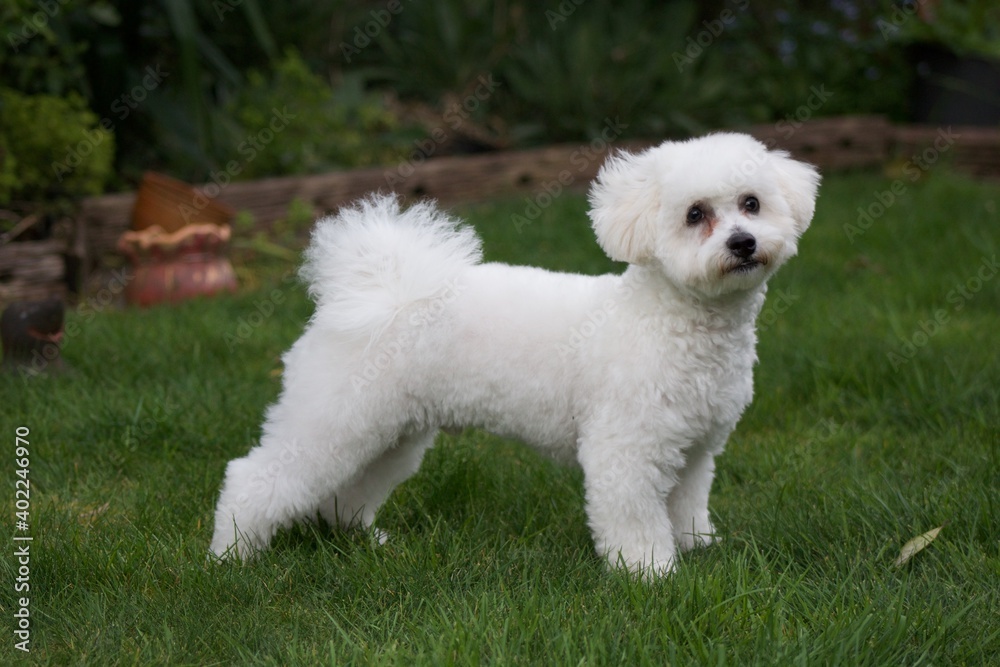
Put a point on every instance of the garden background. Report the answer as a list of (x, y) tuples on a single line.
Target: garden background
[(877, 410)]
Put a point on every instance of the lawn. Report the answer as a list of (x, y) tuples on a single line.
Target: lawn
[(876, 419)]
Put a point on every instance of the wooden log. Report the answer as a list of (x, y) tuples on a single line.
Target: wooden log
[(848, 142), (20, 290), (973, 150), (830, 143), (449, 180), (32, 270)]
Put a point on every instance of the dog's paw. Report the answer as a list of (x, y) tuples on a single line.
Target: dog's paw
[(231, 554), (646, 568), (700, 534), (689, 541), (238, 547)]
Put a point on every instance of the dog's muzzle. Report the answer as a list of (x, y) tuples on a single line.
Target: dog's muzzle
[(743, 246)]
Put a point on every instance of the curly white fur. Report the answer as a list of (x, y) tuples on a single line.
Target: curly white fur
[(639, 377)]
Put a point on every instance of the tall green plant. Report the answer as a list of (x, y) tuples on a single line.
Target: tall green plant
[(206, 73)]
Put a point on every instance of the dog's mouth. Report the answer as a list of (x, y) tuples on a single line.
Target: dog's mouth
[(745, 265)]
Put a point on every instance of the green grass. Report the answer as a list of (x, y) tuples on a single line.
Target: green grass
[(845, 455)]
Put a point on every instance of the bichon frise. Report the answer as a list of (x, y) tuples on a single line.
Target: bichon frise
[(638, 377)]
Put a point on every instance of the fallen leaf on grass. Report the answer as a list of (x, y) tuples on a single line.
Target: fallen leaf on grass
[(915, 546)]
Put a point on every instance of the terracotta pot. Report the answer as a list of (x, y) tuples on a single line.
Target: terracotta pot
[(170, 267), (170, 204)]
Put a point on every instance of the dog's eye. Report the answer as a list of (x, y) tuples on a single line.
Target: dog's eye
[(695, 215), (751, 204)]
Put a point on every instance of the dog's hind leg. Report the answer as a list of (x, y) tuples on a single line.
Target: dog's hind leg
[(357, 502), (286, 477)]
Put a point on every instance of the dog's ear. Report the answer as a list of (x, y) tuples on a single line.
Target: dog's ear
[(624, 205), (799, 183)]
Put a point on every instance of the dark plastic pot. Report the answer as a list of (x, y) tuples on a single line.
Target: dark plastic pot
[(954, 90)]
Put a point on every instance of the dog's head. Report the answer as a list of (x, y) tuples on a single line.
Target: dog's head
[(718, 214)]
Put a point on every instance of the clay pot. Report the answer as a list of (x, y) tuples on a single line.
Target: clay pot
[(170, 204), (173, 266)]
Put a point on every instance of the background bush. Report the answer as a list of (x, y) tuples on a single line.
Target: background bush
[(52, 149), (670, 68), (345, 126), (664, 68), (45, 45)]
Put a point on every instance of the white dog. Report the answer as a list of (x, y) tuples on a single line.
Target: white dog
[(638, 377)]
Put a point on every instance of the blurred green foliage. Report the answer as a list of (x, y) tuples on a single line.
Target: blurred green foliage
[(562, 70), (44, 43), (969, 27), (326, 127), (52, 149), (611, 62), (781, 52), (665, 68), (8, 171)]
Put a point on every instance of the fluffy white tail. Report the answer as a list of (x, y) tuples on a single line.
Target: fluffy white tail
[(372, 260)]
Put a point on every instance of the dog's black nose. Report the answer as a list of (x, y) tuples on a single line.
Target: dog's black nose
[(742, 244)]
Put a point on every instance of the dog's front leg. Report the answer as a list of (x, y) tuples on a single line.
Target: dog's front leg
[(688, 500), (626, 491)]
